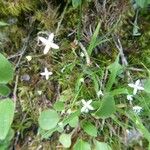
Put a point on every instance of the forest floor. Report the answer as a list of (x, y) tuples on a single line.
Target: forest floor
[(104, 48)]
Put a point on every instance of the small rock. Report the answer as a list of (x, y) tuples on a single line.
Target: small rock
[(25, 77)]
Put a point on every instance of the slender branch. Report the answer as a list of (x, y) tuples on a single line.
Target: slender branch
[(61, 19), (85, 53), (23, 50)]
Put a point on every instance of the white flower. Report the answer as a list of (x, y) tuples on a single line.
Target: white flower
[(99, 93), (82, 54), (69, 111), (29, 58), (81, 80), (86, 106), (46, 73), (130, 97), (137, 109), (137, 86), (48, 43), (39, 92), (60, 124), (62, 112)]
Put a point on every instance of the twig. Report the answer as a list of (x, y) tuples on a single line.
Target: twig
[(61, 19), (23, 50), (13, 56), (15, 89), (85, 53), (120, 48), (123, 59), (136, 69)]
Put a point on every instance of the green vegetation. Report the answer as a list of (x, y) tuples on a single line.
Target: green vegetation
[(75, 75)]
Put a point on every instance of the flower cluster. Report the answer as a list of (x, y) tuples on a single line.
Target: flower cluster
[(48, 43), (137, 86)]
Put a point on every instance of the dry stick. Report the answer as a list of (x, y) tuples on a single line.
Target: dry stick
[(123, 59), (17, 65), (85, 53), (136, 69), (119, 46), (13, 56), (25, 45), (15, 89), (62, 16)]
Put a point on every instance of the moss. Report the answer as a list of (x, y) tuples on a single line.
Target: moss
[(16, 8)]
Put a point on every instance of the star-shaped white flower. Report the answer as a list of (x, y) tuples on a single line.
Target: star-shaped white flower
[(137, 109), (48, 43), (86, 106), (39, 92), (29, 58), (46, 73), (137, 86), (130, 97)]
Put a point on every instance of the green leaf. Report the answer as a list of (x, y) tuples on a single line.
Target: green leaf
[(4, 90), (7, 109), (45, 134), (48, 119), (81, 145), (59, 106), (93, 42), (147, 85), (119, 91), (2, 24), (71, 117), (74, 122), (65, 140), (10, 135), (66, 95), (89, 128), (142, 3), (107, 107), (76, 3), (6, 70), (101, 146), (4, 145), (115, 68)]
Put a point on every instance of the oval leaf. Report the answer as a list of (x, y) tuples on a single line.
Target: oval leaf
[(65, 140), (147, 85), (4, 90), (59, 106), (101, 146), (76, 3), (107, 107), (7, 109), (142, 3), (6, 70), (89, 128), (74, 122), (2, 24), (81, 145), (48, 119)]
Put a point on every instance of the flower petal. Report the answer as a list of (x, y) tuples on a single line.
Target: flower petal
[(51, 37), (54, 46), (131, 85), (137, 82), (83, 102), (89, 102), (43, 40), (46, 49), (83, 109)]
